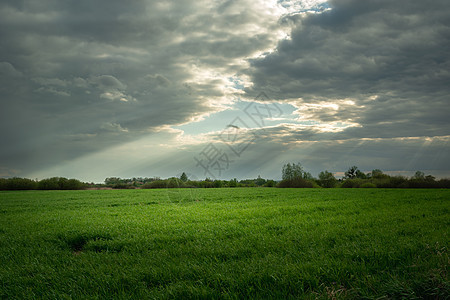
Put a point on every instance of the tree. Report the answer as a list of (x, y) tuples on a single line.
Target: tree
[(290, 172), (260, 181), (419, 175), (307, 176), (232, 182), (351, 172), (294, 176), (360, 174), (286, 172), (327, 179), (354, 172), (183, 177), (377, 173), (270, 183)]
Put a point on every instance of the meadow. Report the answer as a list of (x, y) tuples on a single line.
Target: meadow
[(229, 243)]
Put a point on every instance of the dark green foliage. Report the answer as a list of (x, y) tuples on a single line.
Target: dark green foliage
[(354, 172), (295, 177), (290, 172), (260, 181), (419, 175), (174, 183), (184, 177), (295, 183), (353, 183), (17, 183), (122, 186), (377, 173), (135, 181), (380, 180), (60, 183), (232, 183), (49, 184), (55, 183), (157, 184), (327, 179), (368, 185), (270, 183), (351, 173)]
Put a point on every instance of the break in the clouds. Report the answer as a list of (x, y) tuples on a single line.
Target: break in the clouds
[(382, 65), (92, 89)]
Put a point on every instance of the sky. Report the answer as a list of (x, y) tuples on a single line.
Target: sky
[(223, 89)]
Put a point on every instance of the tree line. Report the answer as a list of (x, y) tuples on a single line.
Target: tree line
[(293, 176), (184, 182), (54, 183)]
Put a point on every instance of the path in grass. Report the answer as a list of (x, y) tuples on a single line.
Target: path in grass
[(224, 243)]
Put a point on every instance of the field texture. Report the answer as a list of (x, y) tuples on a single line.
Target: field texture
[(225, 243)]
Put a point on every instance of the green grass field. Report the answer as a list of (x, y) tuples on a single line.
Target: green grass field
[(225, 243)]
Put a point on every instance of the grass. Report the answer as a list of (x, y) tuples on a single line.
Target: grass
[(225, 243)]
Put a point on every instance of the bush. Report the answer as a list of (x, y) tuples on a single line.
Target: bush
[(368, 185), (3, 182), (295, 183), (207, 184), (17, 183), (157, 184), (398, 182), (75, 184), (122, 186), (174, 183), (270, 183), (444, 183), (49, 184), (353, 183), (421, 184), (60, 183), (327, 179)]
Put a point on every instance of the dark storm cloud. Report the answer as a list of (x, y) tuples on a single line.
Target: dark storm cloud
[(80, 76), (392, 58)]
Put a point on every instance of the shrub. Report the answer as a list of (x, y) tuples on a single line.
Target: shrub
[(122, 186), (49, 184), (398, 181), (60, 183), (270, 183), (75, 184), (207, 184), (368, 185), (353, 183), (327, 179), (3, 182), (174, 183), (295, 183), (421, 183), (444, 183), (17, 183), (157, 184)]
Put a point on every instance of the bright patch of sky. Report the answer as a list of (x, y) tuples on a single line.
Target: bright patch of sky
[(304, 6), (252, 114)]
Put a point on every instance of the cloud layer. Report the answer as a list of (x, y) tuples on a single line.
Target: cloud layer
[(384, 63), (81, 78)]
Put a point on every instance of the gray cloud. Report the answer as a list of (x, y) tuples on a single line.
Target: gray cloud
[(390, 57), (81, 77)]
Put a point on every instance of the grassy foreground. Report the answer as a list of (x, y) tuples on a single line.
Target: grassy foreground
[(225, 243)]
